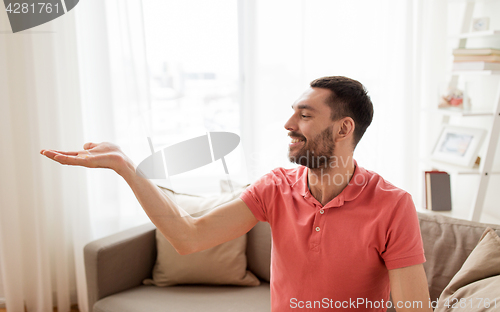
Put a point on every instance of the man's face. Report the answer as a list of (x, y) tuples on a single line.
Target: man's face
[(311, 130)]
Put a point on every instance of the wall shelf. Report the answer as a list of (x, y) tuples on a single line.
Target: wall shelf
[(453, 169), (476, 72), (459, 112), (476, 34)]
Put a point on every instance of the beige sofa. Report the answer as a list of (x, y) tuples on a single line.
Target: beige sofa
[(117, 265)]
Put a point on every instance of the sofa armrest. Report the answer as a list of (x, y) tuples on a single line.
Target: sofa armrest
[(119, 261)]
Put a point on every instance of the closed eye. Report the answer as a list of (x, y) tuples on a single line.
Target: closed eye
[(304, 116)]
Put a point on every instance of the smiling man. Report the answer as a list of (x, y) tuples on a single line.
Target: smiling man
[(343, 237)]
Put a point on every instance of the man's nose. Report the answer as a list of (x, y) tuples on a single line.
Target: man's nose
[(290, 125)]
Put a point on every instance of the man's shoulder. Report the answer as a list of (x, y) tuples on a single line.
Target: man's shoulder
[(291, 172), (282, 176), (389, 199), (382, 187)]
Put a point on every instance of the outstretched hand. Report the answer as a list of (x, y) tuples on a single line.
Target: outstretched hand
[(93, 155)]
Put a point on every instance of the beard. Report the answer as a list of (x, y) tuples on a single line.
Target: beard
[(317, 153)]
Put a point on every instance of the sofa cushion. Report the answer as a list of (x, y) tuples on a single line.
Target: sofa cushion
[(259, 250), (450, 239), (228, 186), (188, 298), (259, 240), (479, 277), (224, 264)]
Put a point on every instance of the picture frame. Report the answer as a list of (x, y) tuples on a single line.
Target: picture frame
[(458, 145), (480, 24)]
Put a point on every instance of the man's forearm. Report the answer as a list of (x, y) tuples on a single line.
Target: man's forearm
[(178, 228)]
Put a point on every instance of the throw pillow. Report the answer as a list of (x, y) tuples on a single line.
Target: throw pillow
[(227, 186), (259, 239), (476, 285), (224, 264)]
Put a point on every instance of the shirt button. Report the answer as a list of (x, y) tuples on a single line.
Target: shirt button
[(317, 229), (322, 211)]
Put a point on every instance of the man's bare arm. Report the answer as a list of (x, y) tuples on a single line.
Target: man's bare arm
[(185, 233), (409, 289), (188, 234)]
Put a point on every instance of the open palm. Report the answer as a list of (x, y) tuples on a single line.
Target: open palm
[(93, 155)]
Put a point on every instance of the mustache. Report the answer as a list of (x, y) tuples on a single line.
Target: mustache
[(295, 134)]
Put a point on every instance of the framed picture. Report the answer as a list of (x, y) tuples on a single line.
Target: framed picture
[(458, 145)]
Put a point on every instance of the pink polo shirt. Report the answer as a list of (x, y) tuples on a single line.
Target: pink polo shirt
[(337, 255)]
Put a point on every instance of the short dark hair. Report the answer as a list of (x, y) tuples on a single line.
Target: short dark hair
[(349, 99)]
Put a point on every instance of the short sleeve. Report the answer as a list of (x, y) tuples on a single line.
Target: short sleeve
[(404, 246), (259, 196)]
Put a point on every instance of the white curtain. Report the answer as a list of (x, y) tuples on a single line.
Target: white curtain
[(115, 91), (44, 221), (75, 79), (83, 77)]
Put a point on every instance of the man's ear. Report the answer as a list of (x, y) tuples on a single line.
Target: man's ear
[(346, 128)]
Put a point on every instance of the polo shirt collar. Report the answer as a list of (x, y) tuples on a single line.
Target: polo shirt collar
[(356, 185)]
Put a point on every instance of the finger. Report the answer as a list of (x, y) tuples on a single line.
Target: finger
[(89, 145), (50, 153), (65, 153), (71, 160)]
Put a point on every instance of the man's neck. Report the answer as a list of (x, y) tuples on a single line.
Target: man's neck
[(327, 183)]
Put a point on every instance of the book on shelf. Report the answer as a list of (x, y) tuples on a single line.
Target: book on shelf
[(483, 51), (437, 191), (476, 58), (476, 65)]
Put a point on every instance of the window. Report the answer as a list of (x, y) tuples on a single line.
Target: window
[(192, 55)]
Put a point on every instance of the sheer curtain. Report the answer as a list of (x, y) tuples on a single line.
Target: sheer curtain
[(114, 91), (58, 84), (44, 221)]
